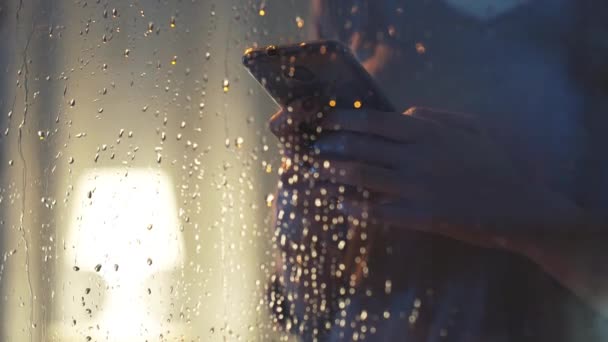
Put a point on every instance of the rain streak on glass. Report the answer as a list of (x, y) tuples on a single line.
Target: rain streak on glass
[(143, 195)]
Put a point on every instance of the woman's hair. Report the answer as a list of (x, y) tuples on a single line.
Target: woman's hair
[(372, 21)]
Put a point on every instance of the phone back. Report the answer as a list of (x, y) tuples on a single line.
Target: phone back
[(325, 70)]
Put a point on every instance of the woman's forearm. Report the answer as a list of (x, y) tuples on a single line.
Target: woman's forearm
[(579, 264)]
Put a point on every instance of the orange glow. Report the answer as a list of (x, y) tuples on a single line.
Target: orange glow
[(332, 103), (299, 22), (357, 104), (420, 48)]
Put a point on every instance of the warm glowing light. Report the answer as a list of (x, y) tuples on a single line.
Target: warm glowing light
[(269, 200), (299, 22), (420, 48), (262, 12), (332, 103), (124, 228), (172, 23), (174, 60), (357, 104)]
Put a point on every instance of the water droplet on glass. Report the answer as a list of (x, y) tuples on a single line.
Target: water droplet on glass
[(116, 267), (72, 102), (172, 22), (420, 48), (239, 142), (98, 268), (388, 286), (149, 226), (127, 51), (71, 160), (87, 290), (207, 55), (226, 85), (114, 12), (299, 22), (174, 60), (76, 268), (149, 261), (269, 200)]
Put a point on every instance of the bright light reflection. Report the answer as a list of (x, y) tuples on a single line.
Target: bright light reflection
[(127, 222)]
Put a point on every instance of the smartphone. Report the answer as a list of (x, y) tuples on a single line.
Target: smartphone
[(320, 72)]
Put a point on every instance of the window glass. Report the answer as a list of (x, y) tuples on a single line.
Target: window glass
[(147, 194)]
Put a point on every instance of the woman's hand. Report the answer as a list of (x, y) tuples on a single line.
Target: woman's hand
[(434, 171), (441, 173)]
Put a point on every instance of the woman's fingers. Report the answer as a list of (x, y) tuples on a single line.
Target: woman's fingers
[(404, 213), (296, 118), (461, 121), (389, 125), (415, 124), (372, 178), (364, 148), (417, 215)]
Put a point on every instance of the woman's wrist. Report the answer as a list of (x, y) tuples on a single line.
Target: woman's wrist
[(577, 263)]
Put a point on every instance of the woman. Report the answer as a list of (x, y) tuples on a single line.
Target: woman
[(496, 218)]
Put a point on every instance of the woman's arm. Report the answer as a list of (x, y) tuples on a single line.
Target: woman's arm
[(580, 261), (445, 176), (580, 264)]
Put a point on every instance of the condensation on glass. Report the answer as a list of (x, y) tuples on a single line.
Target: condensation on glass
[(135, 166)]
